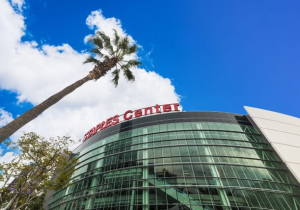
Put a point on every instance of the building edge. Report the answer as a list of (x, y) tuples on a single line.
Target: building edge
[(282, 132)]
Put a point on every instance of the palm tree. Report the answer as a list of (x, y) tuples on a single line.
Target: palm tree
[(111, 53)]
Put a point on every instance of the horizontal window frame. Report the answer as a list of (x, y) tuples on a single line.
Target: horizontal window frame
[(186, 186)]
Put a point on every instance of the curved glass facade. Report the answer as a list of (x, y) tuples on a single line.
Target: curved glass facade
[(181, 161)]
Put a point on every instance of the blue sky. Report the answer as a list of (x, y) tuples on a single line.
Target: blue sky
[(218, 55)]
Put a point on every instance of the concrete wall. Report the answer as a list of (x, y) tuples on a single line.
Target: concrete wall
[(283, 132)]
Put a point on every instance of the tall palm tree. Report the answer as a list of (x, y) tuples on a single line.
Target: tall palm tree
[(111, 53)]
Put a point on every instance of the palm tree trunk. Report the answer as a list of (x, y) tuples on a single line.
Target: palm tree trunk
[(22, 120)]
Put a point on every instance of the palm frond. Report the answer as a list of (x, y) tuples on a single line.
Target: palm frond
[(128, 74), (91, 59), (106, 42), (116, 76), (124, 44), (133, 63), (106, 57), (132, 49), (97, 51), (116, 39), (96, 41)]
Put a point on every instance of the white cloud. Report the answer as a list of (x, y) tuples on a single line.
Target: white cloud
[(37, 73), (97, 21), (8, 157), (5, 117), (18, 3)]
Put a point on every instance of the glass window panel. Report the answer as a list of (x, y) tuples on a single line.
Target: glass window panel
[(172, 135), (178, 170), (179, 126), (212, 126), (164, 136), (195, 159), (175, 151), (166, 151), (171, 127), (187, 126), (198, 134), (204, 125), (163, 128), (190, 141), (180, 142), (165, 143), (188, 170), (176, 159), (193, 150), (155, 128), (195, 125), (189, 134), (180, 135), (157, 143), (220, 126)]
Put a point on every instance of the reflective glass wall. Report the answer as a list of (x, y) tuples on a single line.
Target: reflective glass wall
[(181, 165)]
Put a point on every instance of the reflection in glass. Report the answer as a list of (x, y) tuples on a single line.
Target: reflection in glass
[(190, 165)]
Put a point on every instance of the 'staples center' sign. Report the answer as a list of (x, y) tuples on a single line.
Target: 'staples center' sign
[(128, 115)]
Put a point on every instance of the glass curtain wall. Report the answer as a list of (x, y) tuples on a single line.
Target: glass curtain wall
[(180, 166)]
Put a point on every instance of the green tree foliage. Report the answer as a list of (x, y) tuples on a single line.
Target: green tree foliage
[(43, 164)]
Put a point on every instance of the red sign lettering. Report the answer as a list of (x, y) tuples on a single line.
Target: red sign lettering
[(128, 115), (138, 113), (167, 108), (115, 120)]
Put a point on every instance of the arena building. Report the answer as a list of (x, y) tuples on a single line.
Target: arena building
[(161, 158)]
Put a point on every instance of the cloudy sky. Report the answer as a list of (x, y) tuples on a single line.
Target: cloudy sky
[(207, 55)]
